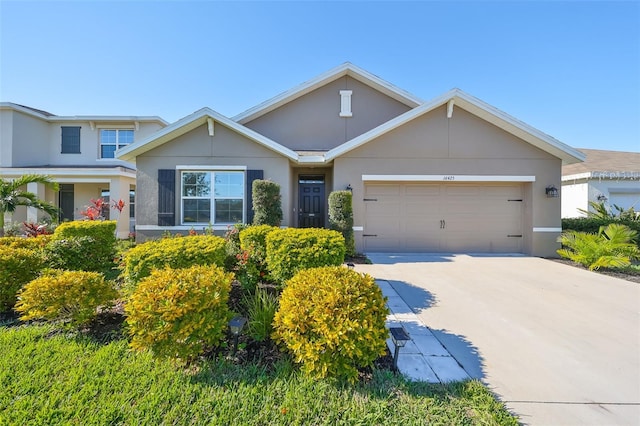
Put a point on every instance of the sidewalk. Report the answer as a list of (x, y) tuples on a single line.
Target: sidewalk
[(423, 358)]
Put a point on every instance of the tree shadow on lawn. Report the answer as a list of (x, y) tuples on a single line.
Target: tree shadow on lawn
[(418, 300)]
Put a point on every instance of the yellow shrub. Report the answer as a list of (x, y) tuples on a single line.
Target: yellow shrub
[(332, 320), (179, 312), (180, 252), (35, 243), (70, 296), (18, 266)]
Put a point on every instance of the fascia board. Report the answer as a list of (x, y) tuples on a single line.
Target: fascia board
[(95, 172), (101, 118), (189, 123), (479, 108), (518, 128), (578, 176), (319, 81)]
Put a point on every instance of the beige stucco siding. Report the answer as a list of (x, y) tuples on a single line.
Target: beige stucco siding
[(313, 122), (197, 148), (462, 145)]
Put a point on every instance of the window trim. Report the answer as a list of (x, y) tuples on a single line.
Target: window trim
[(212, 197), (117, 143)]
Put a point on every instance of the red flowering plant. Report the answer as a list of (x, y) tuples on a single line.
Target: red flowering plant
[(34, 229)]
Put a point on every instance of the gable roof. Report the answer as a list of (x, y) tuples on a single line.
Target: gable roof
[(346, 69), (457, 97), (190, 122), (602, 162)]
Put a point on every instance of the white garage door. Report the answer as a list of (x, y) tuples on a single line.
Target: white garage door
[(418, 217)]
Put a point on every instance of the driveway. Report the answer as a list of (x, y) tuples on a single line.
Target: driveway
[(557, 344)]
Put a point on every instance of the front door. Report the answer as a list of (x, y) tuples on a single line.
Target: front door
[(311, 202)]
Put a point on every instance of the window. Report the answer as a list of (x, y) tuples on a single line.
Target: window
[(112, 139), (132, 203), (70, 140), (212, 197)]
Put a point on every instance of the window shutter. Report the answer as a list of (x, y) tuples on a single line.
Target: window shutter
[(251, 176), (166, 197)]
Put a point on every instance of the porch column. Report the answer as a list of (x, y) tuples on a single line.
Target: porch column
[(39, 190), (119, 190)]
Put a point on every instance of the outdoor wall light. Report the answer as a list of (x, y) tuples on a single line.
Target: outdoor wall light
[(551, 191), (236, 325), (602, 197), (349, 188), (400, 338)]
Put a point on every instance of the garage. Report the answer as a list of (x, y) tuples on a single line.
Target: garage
[(443, 217)]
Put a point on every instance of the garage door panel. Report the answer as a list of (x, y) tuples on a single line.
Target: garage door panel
[(443, 217)]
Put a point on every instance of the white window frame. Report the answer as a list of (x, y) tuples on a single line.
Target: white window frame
[(117, 143), (212, 196)]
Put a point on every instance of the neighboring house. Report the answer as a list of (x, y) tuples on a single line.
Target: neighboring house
[(612, 177), (449, 175), (78, 152)]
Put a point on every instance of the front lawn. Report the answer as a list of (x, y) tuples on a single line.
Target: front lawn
[(52, 377)]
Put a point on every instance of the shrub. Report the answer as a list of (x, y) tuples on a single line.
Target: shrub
[(99, 253), (18, 266), (293, 249), (179, 252), (261, 308), (179, 312), (36, 243), (68, 296), (611, 247), (267, 204), (341, 217), (232, 246), (77, 254), (253, 241), (592, 224), (332, 320)]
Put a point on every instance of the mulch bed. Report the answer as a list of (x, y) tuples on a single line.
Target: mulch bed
[(612, 273)]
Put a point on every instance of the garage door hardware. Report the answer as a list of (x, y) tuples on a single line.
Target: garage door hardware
[(369, 235), (442, 224), (517, 199), (515, 235), (369, 199)]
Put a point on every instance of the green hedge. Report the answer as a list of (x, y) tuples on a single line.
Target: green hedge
[(267, 203), (341, 217), (95, 241), (177, 252), (293, 249)]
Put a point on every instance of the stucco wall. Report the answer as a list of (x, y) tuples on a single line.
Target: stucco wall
[(313, 122), (30, 141), (462, 145), (226, 148), (574, 196)]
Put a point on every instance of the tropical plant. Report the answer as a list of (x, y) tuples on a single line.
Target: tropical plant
[(600, 211), (261, 308), (11, 196), (612, 247)]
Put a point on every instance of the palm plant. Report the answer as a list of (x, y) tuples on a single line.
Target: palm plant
[(612, 247), (11, 196)]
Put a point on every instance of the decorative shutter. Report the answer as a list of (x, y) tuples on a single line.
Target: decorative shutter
[(251, 176), (166, 197)]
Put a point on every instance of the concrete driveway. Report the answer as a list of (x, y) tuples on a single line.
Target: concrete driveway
[(557, 344)]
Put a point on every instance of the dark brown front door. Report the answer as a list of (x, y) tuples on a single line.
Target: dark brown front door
[(311, 202)]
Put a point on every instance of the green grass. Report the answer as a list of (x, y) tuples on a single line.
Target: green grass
[(48, 378)]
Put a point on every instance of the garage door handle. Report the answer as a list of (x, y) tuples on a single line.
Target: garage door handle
[(515, 235), (369, 235), (442, 224)]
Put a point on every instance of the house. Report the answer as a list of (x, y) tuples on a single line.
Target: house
[(78, 152), (612, 177), (448, 175)]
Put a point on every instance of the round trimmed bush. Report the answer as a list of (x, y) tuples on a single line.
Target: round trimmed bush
[(178, 252), (332, 320), (69, 296), (179, 312), (293, 249), (18, 266)]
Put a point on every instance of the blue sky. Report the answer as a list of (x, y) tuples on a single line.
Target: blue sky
[(570, 69)]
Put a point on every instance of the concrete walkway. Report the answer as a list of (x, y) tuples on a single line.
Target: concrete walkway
[(423, 358), (557, 344)]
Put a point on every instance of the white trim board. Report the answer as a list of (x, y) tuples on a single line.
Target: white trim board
[(212, 168), (546, 229), (447, 178)]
